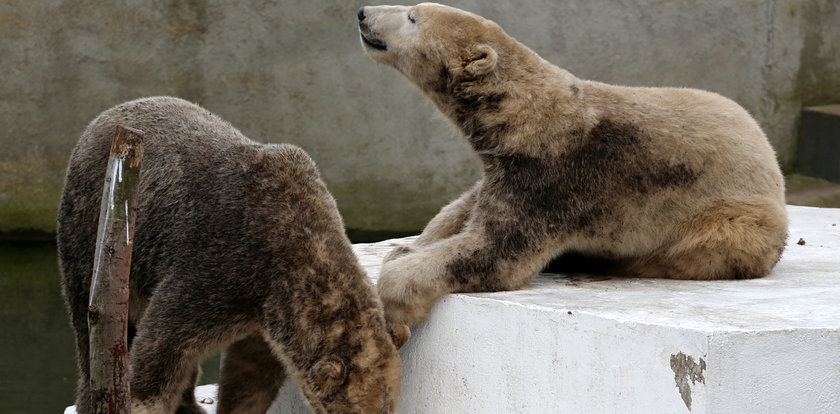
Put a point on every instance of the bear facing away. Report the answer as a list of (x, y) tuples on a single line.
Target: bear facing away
[(664, 182), (240, 246)]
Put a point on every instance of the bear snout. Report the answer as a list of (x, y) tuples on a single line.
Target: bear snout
[(361, 13), (368, 38)]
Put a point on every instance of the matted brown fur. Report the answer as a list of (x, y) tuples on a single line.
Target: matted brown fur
[(240, 246), (663, 182)]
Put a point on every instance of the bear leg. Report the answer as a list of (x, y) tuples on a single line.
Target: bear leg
[(83, 402), (730, 239), (188, 404), (172, 339), (78, 306), (250, 378), (448, 222), (451, 218), (465, 262)]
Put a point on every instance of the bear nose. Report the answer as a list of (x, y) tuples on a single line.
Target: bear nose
[(361, 13)]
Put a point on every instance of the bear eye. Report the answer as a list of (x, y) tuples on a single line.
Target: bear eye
[(411, 19)]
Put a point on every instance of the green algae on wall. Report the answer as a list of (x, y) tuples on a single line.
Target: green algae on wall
[(303, 78), (30, 190), (393, 205)]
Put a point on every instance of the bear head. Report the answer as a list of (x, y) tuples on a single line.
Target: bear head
[(493, 88), (359, 375), (434, 45)]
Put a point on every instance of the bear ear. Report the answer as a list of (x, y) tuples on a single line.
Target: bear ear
[(480, 60), (328, 373)]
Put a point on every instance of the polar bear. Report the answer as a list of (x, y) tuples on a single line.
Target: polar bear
[(239, 246), (664, 182)]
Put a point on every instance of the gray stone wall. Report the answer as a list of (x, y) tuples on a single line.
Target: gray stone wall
[(285, 71)]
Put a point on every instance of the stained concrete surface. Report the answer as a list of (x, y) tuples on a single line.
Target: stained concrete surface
[(294, 72)]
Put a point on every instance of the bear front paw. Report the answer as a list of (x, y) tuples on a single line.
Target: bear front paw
[(396, 253), (395, 293), (399, 334), (404, 295)]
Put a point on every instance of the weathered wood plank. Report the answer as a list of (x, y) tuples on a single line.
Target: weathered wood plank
[(108, 306)]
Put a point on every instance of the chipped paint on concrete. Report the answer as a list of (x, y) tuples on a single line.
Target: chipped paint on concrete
[(685, 369)]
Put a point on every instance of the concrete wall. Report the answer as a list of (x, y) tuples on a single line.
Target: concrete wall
[(294, 72)]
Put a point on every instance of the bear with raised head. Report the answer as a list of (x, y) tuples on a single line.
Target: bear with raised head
[(662, 182), (238, 246)]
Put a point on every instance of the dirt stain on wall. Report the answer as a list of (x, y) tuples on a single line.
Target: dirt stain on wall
[(685, 370)]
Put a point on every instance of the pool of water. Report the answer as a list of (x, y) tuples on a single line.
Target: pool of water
[(37, 351)]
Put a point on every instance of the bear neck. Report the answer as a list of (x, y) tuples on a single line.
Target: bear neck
[(498, 113)]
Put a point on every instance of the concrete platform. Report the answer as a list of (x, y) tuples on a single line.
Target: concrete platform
[(578, 344)]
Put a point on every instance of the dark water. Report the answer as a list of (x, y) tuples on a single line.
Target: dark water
[(37, 351)]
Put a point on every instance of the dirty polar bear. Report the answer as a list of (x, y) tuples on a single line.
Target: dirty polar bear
[(663, 182), (240, 246)]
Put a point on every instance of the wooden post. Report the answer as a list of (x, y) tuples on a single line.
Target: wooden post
[(108, 306)]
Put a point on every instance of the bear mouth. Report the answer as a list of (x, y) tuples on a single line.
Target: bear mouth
[(375, 44)]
